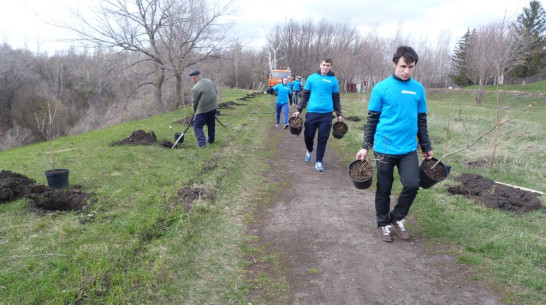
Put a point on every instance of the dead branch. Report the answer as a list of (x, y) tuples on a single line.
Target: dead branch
[(484, 134)]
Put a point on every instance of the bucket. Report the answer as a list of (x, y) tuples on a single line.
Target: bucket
[(356, 165), (296, 125), (57, 178), (339, 129), (176, 135), (426, 181)]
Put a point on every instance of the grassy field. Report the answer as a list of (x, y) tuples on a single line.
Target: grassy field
[(139, 243)]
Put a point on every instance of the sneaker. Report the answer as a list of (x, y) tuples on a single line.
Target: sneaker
[(384, 233), (276, 125), (307, 157), (400, 229), (285, 126), (319, 167)]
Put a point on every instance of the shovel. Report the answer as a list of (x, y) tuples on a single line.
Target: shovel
[(217, 120), (182, 134)]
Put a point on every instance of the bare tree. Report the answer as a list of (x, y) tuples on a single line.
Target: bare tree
[(195, 35), (492, 52), (171, 34)]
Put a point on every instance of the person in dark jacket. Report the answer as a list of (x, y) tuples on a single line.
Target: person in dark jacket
[(321, 96), (204, 103), (397, 114)]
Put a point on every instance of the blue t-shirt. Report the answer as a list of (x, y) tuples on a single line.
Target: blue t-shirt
[(399, 103), (282, 93), (321, 87), (296, 85)]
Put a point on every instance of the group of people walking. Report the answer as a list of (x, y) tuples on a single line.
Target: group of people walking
[(396, 125)]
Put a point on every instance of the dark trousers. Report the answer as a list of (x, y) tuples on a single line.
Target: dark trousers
[(200, 120), (321, 122), (408, 170)]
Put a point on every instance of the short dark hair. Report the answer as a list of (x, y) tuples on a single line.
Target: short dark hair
[(327, 60), (408, 53)]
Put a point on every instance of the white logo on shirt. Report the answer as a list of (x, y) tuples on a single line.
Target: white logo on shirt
[(408, 92), (326, 80)]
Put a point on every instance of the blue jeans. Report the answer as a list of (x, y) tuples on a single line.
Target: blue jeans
[(321, 122), (296, 96), (284, 108), (200, 120), (408, 170)]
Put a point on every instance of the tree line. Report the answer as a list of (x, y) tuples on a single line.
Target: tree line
[(501, 50), (138, 55)]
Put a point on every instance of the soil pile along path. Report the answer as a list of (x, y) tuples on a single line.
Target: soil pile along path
[(325, 231)]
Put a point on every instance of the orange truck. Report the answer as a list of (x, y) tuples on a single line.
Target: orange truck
[(276, 76)]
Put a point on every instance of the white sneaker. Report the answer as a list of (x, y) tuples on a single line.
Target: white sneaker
[(319, 167), (307, 157)]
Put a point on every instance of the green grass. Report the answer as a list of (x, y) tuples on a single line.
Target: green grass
[(539, 86), (137, 244)]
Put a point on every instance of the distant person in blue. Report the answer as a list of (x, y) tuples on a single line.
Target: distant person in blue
[(284, 93), (296, 87), (321, 97), (397, 115)]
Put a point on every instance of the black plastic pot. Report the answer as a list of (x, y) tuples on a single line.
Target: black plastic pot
[(57, 178), (295, 121), (176, 135), (425, 181), (338, 134), (360, 184)]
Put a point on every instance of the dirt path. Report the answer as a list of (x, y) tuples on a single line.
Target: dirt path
[(324, 229)]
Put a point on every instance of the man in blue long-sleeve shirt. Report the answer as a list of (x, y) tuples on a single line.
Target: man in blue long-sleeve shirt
[(397, 115)]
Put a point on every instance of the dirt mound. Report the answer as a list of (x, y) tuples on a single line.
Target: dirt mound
[(184, 121), (139, 137), (15, 186), (353, 118), (493, 195), (45, 198)]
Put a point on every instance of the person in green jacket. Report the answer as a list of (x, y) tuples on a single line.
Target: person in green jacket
[(204, 103)]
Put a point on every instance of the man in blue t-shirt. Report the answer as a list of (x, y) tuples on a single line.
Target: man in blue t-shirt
[(321, 92), (296, 86), (397, 114)]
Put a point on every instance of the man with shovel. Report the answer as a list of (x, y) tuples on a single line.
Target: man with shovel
[(204, 107)]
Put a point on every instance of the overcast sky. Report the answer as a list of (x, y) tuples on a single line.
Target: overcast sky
[(25, 23)]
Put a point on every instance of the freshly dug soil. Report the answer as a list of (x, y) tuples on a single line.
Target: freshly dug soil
[(139, 137), (353, 118), (361, 171), (339, 129), (227, 105), (14, 186), (184, 121), (437, 173), (295, 122), (493, 195)]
